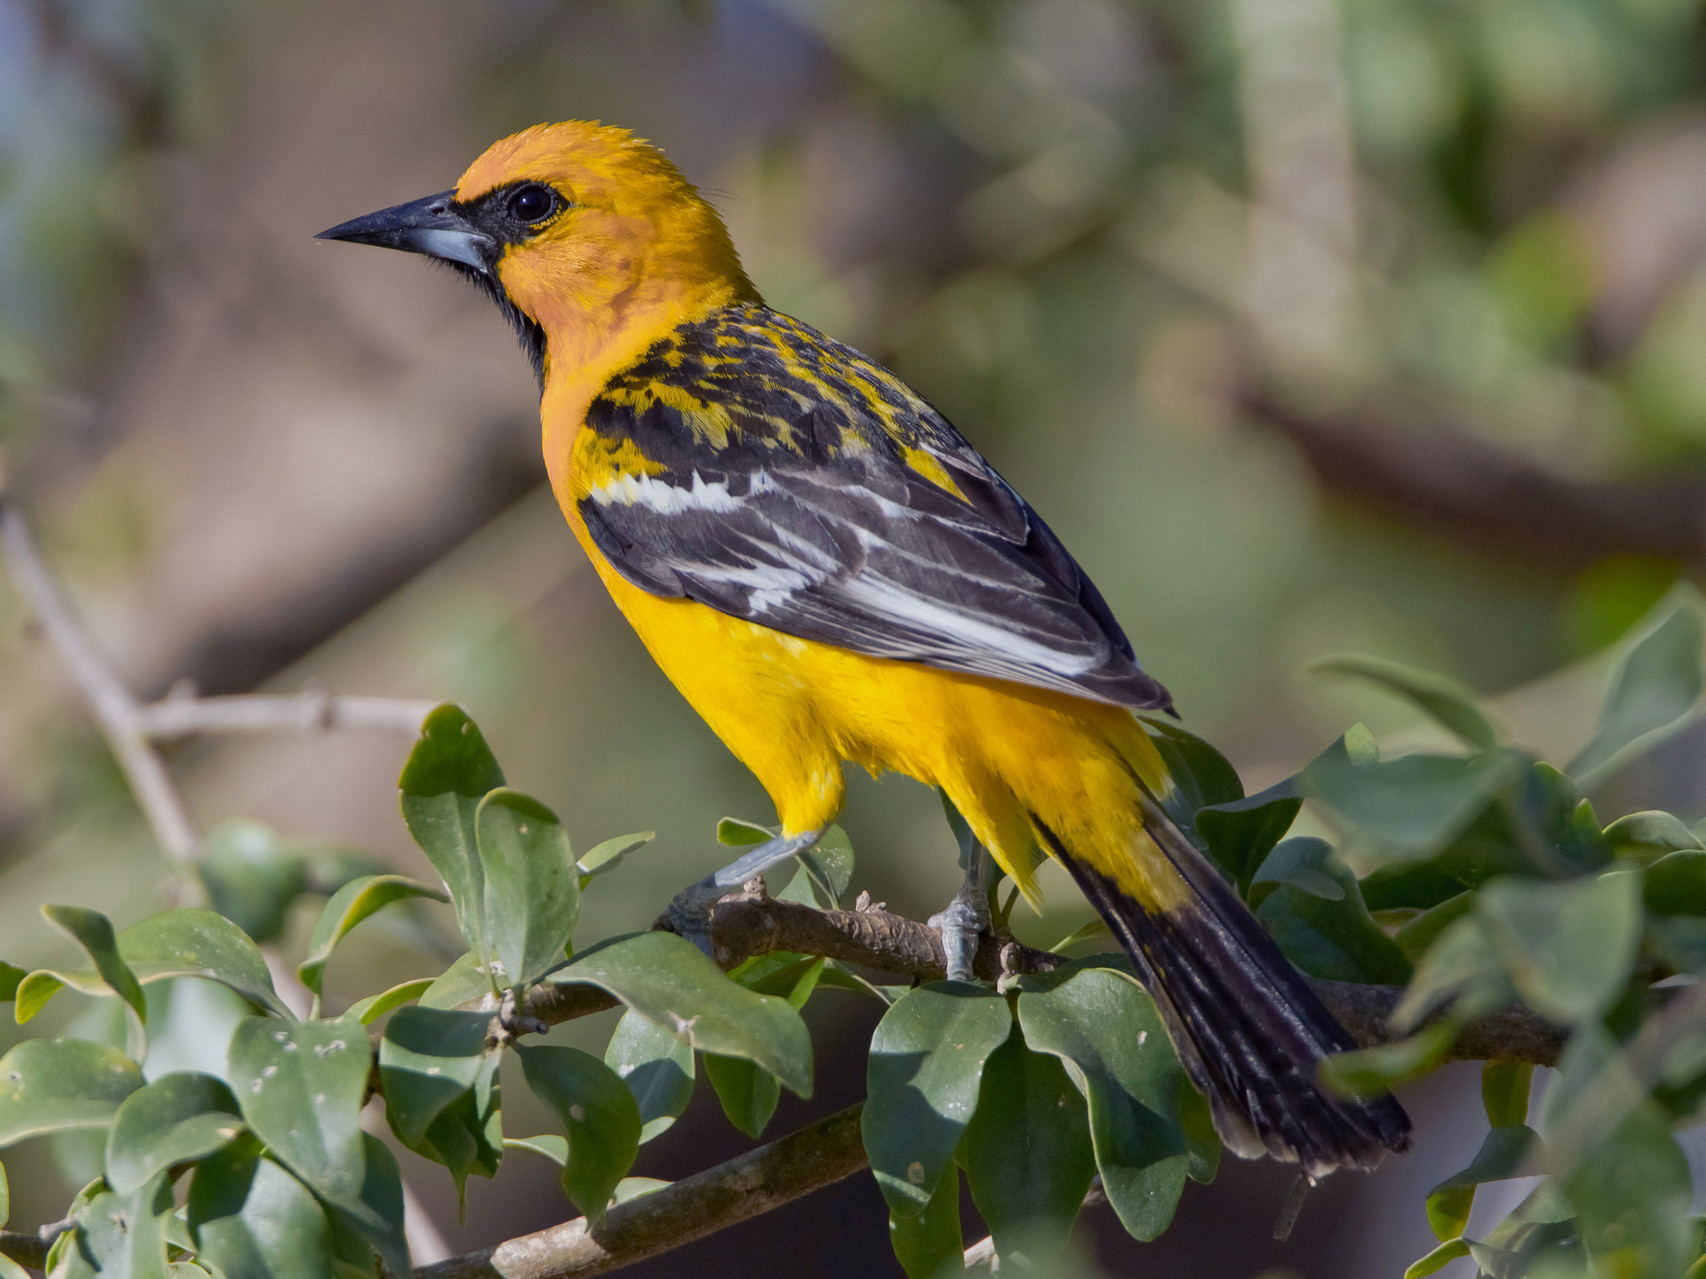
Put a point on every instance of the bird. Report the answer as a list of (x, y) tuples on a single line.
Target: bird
[(830, 573)]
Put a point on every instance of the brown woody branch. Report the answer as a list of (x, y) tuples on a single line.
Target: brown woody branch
[(696, 1206)]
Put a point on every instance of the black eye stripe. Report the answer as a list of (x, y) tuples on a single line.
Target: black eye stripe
[(515, 213)]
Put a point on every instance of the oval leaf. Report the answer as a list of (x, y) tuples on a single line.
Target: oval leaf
[(670, 983), (438, 1074), (1450, 703), (656, 1066), (1107, 1028), (301, 1087), (599, 1118), (532, 889), (253, 1220), (48, 1085), (1654, 690), (604, 857), (175, 1119), (93, 931), (1029, 1159), (351, 904), (449, 772), (921, 1082)]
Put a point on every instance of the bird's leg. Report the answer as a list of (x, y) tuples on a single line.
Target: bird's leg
[(690, 912), (968, 914)]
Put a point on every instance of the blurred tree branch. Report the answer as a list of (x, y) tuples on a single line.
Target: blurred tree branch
[(1434, 475)]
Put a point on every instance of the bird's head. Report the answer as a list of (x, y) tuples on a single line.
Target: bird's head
[(587, 237)]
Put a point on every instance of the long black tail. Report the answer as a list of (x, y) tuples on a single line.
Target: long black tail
[(1248, 1029)]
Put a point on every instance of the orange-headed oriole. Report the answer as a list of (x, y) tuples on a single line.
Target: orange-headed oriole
[(829, 572)]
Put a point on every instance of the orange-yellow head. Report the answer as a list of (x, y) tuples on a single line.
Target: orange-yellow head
[(588, 237)]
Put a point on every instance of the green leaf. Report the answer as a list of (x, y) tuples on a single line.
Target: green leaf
[(1105, 1028), (1463, 967), (1297, 862), (532, 889), (377, 1213), (826, 869), (633, 1187), (1676, 884), (1569, 948), (93, 931), (738, 834), (351, 904), (1632, 1197), (747, 1094), (463, 982), (175, 1119), (1368, 1072), (928, 1242), (1029, 1159), (10, 1269), (438, 1073), (656, 1066), (449, 772), (607, 856), (189, 942), (1505, 1086), (1504, 1154), (554, 1148), (1241, 833), (1438, 1259), (599, 1118), (10, 976), (1654, 689), (1412, 805), (250, 878), (1649, 835), (1417, 934), (670, 983), (5, 1197), (371, 1009), (1450, 703), (126, 1234), (49, 1085), (252, 1220), (922, 1080), (1333, 938), (301, 1086), (1201, 775)]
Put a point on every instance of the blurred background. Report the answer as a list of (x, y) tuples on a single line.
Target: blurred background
[(1311, 325)]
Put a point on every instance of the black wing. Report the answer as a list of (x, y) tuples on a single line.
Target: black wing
[(759, 467)]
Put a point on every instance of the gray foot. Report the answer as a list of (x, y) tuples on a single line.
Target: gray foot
[(690, 912), (968, 914)]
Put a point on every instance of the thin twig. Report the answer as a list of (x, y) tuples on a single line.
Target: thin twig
[(312, 710), (696, 1206), (127, 726), (115, 710)]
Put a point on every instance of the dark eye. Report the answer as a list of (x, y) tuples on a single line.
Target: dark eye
[(532, 203)]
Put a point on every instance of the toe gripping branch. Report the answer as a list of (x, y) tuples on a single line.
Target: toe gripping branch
[(967, 916)]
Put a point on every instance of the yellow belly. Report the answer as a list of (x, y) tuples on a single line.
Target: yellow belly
[(1007, 755)]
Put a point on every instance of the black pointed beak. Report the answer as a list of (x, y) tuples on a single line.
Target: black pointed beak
[(431, 226)]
